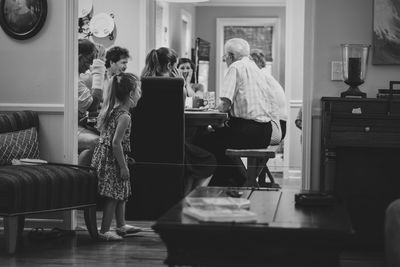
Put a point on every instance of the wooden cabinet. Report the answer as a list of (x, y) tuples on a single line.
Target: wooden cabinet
[(360, 159)]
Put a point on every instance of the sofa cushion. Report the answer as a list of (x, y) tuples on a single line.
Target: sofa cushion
[(35, 188), (18, 145)]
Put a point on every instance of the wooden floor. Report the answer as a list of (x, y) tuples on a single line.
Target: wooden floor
[(142, 249)]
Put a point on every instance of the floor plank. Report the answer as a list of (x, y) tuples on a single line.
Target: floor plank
[(142, 249)]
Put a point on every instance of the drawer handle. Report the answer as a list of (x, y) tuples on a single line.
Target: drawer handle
[(367, 129)]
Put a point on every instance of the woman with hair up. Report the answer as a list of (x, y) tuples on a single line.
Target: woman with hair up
[(161, 62), (199, 163)]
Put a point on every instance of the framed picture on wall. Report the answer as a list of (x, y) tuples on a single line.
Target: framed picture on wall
[(386, 35), (22, 19)]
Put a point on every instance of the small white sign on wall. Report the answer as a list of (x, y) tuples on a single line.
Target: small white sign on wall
[(336, 71)]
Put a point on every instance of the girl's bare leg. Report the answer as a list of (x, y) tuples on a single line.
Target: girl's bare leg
[(108, 214), (120, 213)]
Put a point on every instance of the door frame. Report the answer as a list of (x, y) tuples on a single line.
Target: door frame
[(299, 51), (306, 21), (71, 82), (187, 17)]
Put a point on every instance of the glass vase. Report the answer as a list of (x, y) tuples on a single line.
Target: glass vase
[(354, 59)]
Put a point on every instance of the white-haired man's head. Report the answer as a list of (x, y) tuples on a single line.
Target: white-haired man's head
[(238, 48)]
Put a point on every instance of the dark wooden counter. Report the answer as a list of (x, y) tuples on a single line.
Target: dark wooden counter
[(284, 234), (205, 118)]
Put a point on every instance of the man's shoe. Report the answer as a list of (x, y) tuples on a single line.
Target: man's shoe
[(110, 236), (127, 229)]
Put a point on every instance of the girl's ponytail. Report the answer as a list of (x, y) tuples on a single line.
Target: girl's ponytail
[(119, 91), (108, 104), (152, 63)]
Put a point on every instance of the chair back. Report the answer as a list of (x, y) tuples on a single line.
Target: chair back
[(157, 145)]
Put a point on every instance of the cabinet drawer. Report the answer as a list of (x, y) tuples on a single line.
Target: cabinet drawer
[(395, 108), (364, 124), (363, 139), (358, 107)]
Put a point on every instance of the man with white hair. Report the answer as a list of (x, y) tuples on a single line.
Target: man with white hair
[(244, 96)]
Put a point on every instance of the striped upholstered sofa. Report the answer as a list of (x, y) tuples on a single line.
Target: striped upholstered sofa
[(30, 189)]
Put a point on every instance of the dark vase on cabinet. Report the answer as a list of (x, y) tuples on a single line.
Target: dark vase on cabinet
[(360, 159)]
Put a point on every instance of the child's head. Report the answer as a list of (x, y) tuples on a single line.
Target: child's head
[(160, 62), (125, 87), (124, 90)]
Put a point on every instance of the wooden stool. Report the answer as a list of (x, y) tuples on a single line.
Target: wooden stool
[(256, 160)]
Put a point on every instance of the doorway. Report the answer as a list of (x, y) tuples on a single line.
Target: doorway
[(294, 76), (265, 34), (186, 34)]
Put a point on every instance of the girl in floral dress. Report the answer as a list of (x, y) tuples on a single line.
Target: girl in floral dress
[(110, 155)]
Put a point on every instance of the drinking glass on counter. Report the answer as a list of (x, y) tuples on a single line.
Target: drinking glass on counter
[(210, 97), (188, 102)]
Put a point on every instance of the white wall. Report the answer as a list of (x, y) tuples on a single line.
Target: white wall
[(128, 23), (127, 28), (336, 22), (32, 76), (175, 25)]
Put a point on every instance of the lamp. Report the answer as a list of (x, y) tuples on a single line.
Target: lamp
[(354, 58)]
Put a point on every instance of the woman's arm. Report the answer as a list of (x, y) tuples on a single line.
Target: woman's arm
[(189, 90), (97, 95), (98, 72), (189, 86), (122, 125)]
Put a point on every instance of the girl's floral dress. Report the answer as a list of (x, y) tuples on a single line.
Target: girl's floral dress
[(110, 183)]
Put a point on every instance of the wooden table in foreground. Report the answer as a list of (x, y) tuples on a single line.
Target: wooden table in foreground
[(205, 118), (284, 234)]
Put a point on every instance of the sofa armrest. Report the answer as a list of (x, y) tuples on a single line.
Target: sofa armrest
[(18, 120)]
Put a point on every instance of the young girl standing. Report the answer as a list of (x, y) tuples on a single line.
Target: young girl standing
[(110, 154)]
